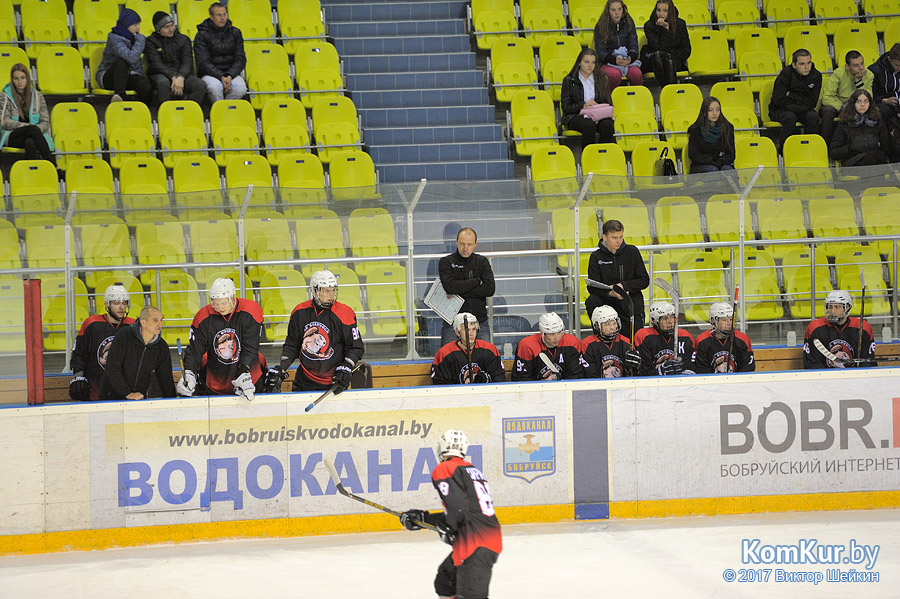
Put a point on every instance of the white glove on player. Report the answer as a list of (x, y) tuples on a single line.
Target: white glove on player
[(187, 384), (243, 385)]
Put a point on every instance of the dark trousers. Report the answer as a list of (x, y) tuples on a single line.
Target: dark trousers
[(788, 120), (194, 89), (663, 66), (448, 334), (709, 168), (589, 130), (30, 139), (119, 79), (469, 580), (828, 114)]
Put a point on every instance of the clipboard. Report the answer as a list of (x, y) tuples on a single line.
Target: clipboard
[(446, 307)]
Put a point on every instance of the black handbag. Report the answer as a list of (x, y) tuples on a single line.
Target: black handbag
[(666, 166)]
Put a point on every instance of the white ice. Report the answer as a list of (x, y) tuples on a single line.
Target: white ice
[(652, 558)]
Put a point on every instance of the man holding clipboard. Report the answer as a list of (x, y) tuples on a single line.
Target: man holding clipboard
[(468, 275)]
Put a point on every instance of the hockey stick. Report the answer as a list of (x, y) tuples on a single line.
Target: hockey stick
[(469, 350), (734, 312), (340, 488), (598, 285), (330, 391), (862, 312), (546, 360), (180, 356), (665, 286)]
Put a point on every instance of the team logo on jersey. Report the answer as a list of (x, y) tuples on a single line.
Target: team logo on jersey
[(722, 361), (316, 344), (228, 346), (464, 377), (842, 350), (529, 447), (103, 351), (612, 367)]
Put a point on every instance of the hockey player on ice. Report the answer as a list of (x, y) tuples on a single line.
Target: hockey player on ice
[(839, 333), (607, 353), (93, 342), (323, 334), (550, 355), (224, 342), (452, 362), (655, 344), (717, 351), (468, 522)]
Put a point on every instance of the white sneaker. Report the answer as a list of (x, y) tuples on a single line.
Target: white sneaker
[(116, 98)]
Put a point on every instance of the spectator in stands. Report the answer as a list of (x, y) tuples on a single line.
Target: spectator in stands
[(468, 275), (668, 44), (585, 102), (137, 350), (796, 95), (25, 121), (219, 50), (170, 61), (616, 263), (886, 83), (838, 333), (550, 355), (711, 140), (861, 137), (615, 40), (838, 88), (455, 362), (121, 68)]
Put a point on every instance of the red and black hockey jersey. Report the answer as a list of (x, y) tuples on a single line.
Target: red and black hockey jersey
[(91, 348), (322, 338), (722, 355), (530, 367), (656, 348), (230, 344), (604, 360), (468, 508), (842, 341), (451, 364)]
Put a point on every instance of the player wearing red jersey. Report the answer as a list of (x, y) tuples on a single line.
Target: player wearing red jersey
[(723, 349), (454, 363), (550, 355), (608, 354), (656, 344), (839, 333)]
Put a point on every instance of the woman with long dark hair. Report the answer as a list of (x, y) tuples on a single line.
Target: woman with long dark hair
[(615, 40), (25, 121), (711, 139), (668, 44), (861, 138), (585, 90)]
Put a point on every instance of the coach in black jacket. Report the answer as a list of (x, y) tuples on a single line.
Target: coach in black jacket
[(136, 351), (468, 275), (170, 62), (616, 263), (219, 50)]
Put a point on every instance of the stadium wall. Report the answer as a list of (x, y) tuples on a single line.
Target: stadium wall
[(93, 476)]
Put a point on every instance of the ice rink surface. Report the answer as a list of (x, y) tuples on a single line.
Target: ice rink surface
[(653, 558)]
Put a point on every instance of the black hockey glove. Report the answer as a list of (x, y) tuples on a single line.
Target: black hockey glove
[(670, 367), (79, 387), (274, 377), (482, 377), (341, 379), (447, 535), (632, 360), (410, 517)]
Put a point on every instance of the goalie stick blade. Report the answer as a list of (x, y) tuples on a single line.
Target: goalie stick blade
[(598, 285), (824, 351), (548, 363)]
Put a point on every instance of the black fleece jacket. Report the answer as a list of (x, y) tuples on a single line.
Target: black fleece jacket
[(131, 361), (795, 92)]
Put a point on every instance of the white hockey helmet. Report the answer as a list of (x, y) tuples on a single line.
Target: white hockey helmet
[(660, 309), (839, 297), (602, 315), (323, 279), (222, 289), (720, 310), (116, 293), (452, 443), (550, 323), (462, 317)]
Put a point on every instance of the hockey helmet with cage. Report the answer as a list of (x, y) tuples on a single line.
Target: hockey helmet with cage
[(222, 289), (323, 279), (452, 443), (116, 293), (659, 310), (720, 310), (602, 315), (842, 298)]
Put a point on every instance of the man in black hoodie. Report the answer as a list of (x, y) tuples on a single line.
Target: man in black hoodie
[(170, 62), (796, 95), (468, 275), (616, 263), (886, 85), (137, 350), (219, 50)]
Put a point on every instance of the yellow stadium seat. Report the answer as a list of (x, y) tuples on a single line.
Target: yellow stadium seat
[(799, 260), (677, 221), (229, 113), (144, 189), (694, 13), (9, 246), (563, 222), (180, 113), (680, 96), (633, 99), (552, 74), (709, 54), (267, 57), (75, 129), (189, 14), (320, 221), (146, 9), (284, 113), (554, 175), (678, 120), (197, 188), (301, 182), (855, 36), (352, 176), (54, 310), (213, 241), (290, 138), (744, 120), (733, 94), (633, 128), (832, 214), (759, 264), (792, 12), (762, 300), (266, 238), (130, 115), (722, 218), (44, 30), (280, 291), (12, 316), (532, 121), (106, 244), (362, 222), (159, 243), (92, 179), (754, 39), (264, 86), (179, 302), (889, 26), (386, 294), (34, 192), (45, 246), (697, 295), (334, 110), (540, 18), (315, 84), (60, 72), (829, 10), (176, 141), (645, 161), (852, 259), (300, 19), (558, 47), (584, 15), (234, 140), (489, 16), (243, 171), (759, 68), (11, 55), (607, 162), (736, 11), (129, 282), (876, 304), (510, 78), (780, 218), (878, 206), (239, 10), (370, 246), (798, 290), (315, 246), (336, 137), (812, 38), (35, 10), (128, 127), (808, 148)]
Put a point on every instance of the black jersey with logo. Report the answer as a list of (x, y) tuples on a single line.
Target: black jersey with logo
[(321, 338), (529, 366), (451, 364), (91, 348), (842, 341), (604, 360), (656, 348), (724, 355)]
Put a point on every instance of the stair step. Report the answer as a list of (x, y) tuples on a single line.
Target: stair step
[(394, 11), (432, 135), (408, 63), (481, 170), (432, 80), (420, 44), (440, 152), (396, 28), (410, 98), (426, 116)]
